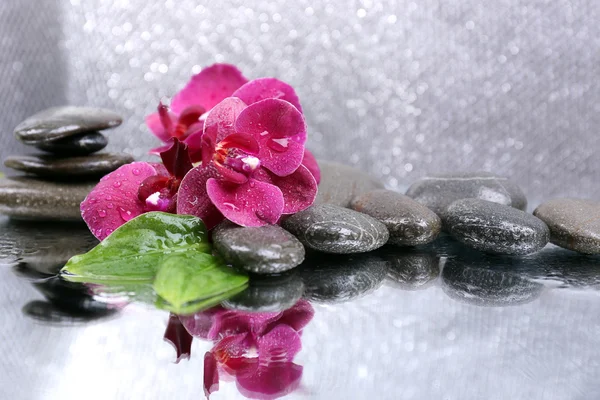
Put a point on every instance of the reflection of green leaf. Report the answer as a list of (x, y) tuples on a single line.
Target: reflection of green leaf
[(135, 250), (189, 282)]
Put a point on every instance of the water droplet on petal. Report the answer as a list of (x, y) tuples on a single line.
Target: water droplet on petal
[(110, 206), (109, 197), (135, 171), (102, 213), (252, 184), (125, 215), (279, 145), (109, 231), (117, 184)]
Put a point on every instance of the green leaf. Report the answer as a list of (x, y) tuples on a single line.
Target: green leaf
[(134, 251), (189, 282)]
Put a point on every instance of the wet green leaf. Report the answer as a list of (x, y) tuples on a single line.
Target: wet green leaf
[(189, 282), (134, 251)]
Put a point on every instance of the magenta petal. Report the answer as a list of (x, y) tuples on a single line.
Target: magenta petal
[(211, 374), (114, 200), (253, 203), (267, 88), (298, 316), (310, 162), (280, 130), (201, 324), (179, 338), (193, 199), (281, 343), (157, 150), (221, 119), (209, 87), (299, 189), (156, 127)]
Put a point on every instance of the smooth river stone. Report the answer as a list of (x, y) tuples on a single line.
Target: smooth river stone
[(340, 278), (495, 228), (268, 293), (61, 122), (487, 287), (409, 223), (342, 183), (333, 229), (34, 199), (574, 223), (267, 249), (78, 145), (47, 166), (439, 191)]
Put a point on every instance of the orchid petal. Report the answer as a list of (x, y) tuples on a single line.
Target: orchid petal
[(157, 150), (156, 127), (267, 88), (211, 374), (253, 203), (310, 162), (179, 338), (114, 200), (280, 130), (209, 87), (221, 119), (201, 324), (193, 198), (298, 316), (299, 188)]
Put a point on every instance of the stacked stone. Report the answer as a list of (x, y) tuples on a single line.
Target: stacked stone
[(55, 183)]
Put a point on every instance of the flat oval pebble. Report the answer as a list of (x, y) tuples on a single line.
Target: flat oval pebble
[(333, 229), (574, 223), (341, 183), (267, 249), (34, 199), (408, 222), (61, 122), (268, 293), (487, 287), (439, 191), (495, 228), (77, 145), (47, 166), (340, 278)]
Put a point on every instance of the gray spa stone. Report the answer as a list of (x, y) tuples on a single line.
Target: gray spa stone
[(495, 228), (48, 166), (61, 122), (34, 199), (267, 249), (439, 191), (333, 229), (409, 223), (341, 183), (574, 223)]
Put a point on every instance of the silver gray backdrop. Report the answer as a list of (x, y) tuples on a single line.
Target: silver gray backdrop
[(398, 88)]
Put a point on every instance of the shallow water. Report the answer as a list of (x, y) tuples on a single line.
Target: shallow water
[(446, 323)]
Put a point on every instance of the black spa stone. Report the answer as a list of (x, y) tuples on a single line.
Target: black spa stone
[(77, 145), (495, 228), (333, 229), (61, 122)]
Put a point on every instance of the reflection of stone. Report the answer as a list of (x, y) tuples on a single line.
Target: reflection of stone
[(338, 278), (43, 247), (411, 269), (486, 287), (272, 293)]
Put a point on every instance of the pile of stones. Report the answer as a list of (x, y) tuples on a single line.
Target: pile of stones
[(55, 182), (355, 214)]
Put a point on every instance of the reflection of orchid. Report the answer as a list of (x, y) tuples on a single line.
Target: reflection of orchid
[(257, 349)]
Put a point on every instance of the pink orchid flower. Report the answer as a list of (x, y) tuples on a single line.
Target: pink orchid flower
[(251, 171), (134, 189), (256, 349)]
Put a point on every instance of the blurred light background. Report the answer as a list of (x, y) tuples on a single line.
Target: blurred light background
[(398, 88)]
